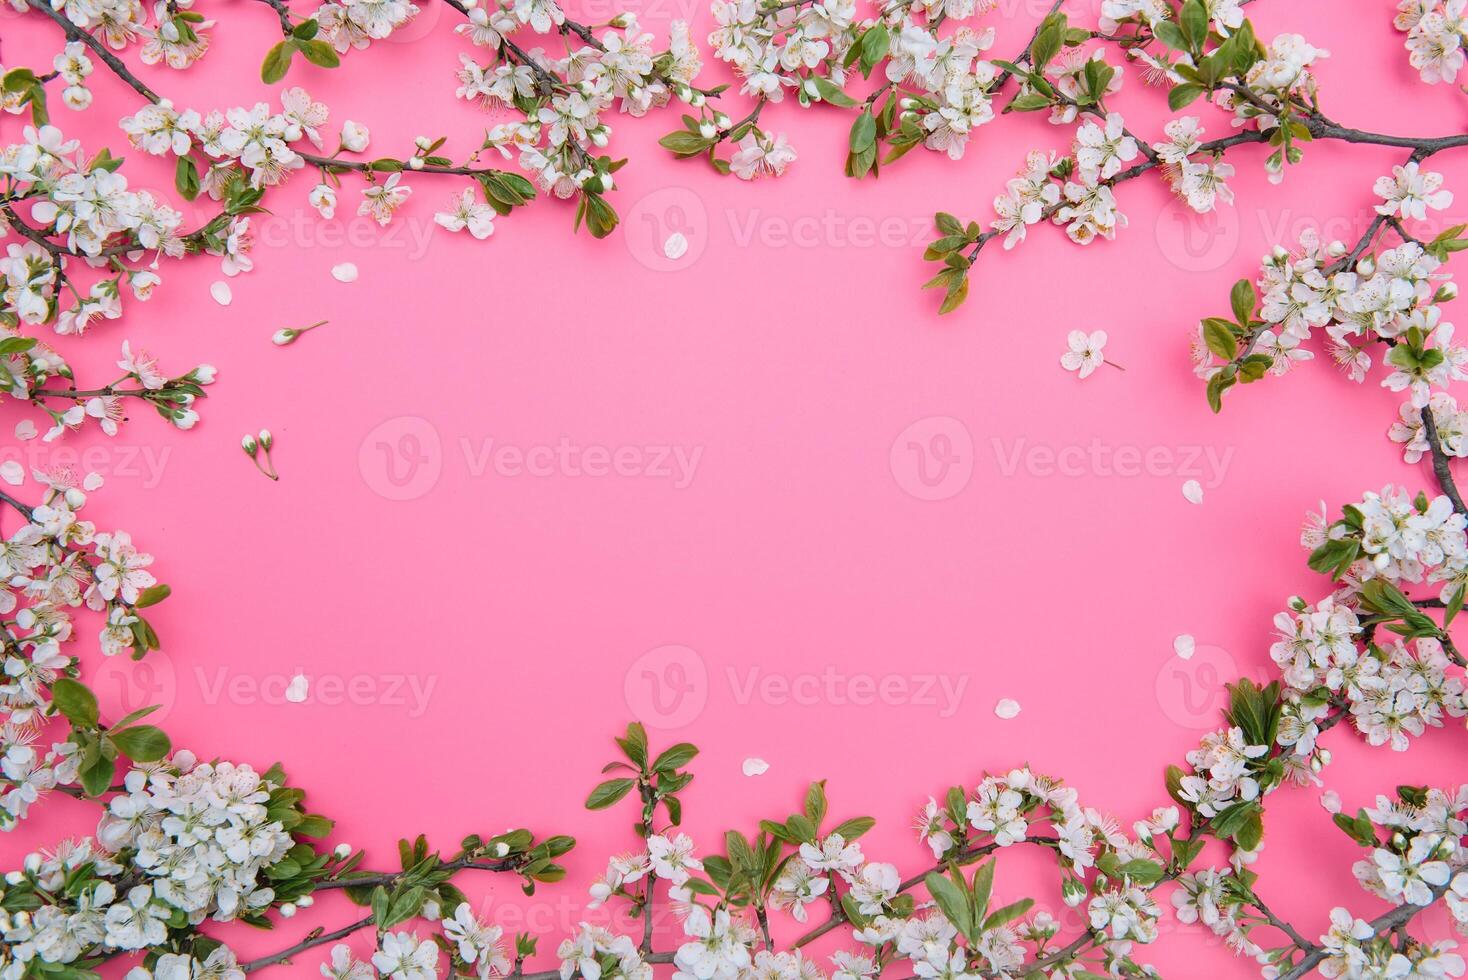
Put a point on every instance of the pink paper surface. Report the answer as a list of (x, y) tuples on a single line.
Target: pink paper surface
[(882, 523)]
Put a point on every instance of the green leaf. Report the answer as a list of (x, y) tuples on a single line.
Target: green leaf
[(957, 293), (141, 743), (1217, 385), (186, 178), (801, 827), (952, 902), (874, 45), (97, 775), (1243, 299), (1169, 34), (863, 132), (831, 93), (1219, 338), (608, 793), (75, 701), (815, 802), (153, 595), (1183, 95), (277, 63), (306, 29), (16, 345), (947, 223), (1195, 23), (851, 829), (319, 53), (1007, 914), (983, 887), (1142, 872), (675, 757), (685, 144), (634, 744), (601, 220), (1048, 40)]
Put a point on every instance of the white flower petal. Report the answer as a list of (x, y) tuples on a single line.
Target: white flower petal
[(297, 690), (345, 272), (676, 246), (221, 292), (1007, 708), (1193, 491), (12, 472), (92, 481), (1183, 645), (755, 767)]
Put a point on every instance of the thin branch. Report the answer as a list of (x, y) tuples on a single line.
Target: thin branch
[(1440, 467), (310, 942)]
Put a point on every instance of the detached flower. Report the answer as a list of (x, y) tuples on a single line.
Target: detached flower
[(1085, 354)]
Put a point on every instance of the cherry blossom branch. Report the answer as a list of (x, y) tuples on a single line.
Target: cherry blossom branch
[(1395, 919), (74, 33), (316, 938), (1440, 467)]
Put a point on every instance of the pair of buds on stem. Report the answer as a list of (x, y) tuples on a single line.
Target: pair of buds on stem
[(258, 449)]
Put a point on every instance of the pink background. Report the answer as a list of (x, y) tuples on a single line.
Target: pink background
[(794, 352)]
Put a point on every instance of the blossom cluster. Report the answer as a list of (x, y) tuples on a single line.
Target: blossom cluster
[(1393, 299), (1437, 33)]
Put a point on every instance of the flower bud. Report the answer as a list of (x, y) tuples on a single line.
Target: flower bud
[(343, 851), (415, 163), (722, 120), (1072, 892), (75, 499), (1367, 266), (698, 100), (284, 336), (287, 910), (250, 446), (1446, 292), (707, 129), (266, 440)]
